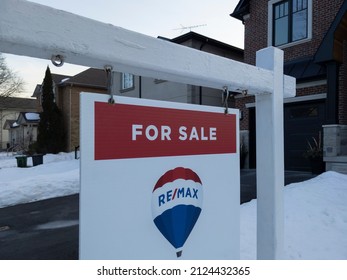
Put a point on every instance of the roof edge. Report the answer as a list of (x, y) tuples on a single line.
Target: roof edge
[(324, 52), (193, 35), (242, 9)]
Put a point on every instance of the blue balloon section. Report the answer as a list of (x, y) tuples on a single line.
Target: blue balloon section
[(177, 204), (177, 223)]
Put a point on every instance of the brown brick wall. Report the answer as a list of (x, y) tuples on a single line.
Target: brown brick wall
[(256, 37), (323, 13), (70, 105), (64, 106), (311, 90), (240, 103), (255, 30)]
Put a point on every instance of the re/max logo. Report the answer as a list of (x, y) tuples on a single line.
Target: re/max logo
[(177, 193)]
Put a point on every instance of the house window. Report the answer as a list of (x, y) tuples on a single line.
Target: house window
[(290, 21), (127, 81)]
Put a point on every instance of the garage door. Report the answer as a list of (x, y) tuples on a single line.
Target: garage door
[(302, 121)]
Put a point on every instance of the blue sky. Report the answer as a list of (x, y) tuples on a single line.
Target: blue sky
[(150, 17)]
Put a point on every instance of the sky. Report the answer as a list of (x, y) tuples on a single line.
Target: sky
[(315, 211), (155, 18)]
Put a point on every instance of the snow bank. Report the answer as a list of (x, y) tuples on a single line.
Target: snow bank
[(58, 176), (315, 220)]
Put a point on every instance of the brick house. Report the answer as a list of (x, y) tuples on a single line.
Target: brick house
[(312, 34), (67, 89)]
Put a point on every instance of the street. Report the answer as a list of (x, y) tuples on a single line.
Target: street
[(43, 230)]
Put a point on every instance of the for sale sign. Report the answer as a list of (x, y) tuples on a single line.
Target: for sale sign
[(159, 180)]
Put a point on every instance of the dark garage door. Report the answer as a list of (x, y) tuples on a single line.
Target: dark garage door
[(302, 121)]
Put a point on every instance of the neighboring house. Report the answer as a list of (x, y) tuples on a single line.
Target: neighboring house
[(151, 88), (23, 131), (312, 34), (67, 89), (10, 108)]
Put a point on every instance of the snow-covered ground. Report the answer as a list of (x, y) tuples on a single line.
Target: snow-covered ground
[(58, 176), (315, 210)]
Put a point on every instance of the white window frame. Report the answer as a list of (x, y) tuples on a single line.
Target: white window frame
[(270, 25), (125, 80)]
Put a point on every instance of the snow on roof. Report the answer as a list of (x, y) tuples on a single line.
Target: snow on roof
[(64, 80), (32, 116)]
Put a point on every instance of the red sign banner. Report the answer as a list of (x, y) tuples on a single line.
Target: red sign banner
[(133, 131)]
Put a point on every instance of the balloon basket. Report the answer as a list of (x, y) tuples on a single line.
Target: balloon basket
[(179, 254)]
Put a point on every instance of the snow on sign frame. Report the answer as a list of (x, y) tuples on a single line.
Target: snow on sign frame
[(159, 180)]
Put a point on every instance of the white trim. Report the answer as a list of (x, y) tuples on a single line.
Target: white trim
[(270, 20), (250, 105), (311, 84), (291, 44), (311, 97), (335, 125)]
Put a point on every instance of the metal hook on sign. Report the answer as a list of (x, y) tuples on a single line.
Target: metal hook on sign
[(108, 70), (225, 97), (57, 60)]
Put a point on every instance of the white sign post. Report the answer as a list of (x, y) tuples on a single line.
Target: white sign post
[(270, 159), (38, 31)]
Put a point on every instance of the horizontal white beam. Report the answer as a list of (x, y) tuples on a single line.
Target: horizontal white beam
[(39, 31)]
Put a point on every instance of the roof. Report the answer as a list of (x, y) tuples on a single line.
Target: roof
[(193, 35), (325, 51), (58, 78), (23, 118), (17, 103), (91, 77), (304, 69), (94, 78), (242, 9), (30, 116), (8, 124)]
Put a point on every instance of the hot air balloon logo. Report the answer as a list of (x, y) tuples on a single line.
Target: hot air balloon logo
[(176, 205)]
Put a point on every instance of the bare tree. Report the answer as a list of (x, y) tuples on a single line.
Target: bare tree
[(10, 82)]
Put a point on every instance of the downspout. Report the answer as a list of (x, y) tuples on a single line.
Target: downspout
[(69, 120), (332, 102), (1, 129), (140, 86)]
